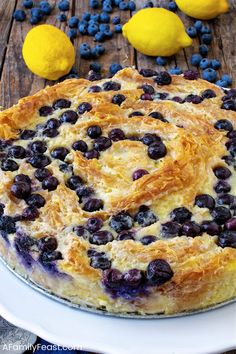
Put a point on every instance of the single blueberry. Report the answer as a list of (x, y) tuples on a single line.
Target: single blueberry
[(191, 229), (47, 244), (157, 150), (61, 103), (139, 174), (42, 173), (74, 182), (121, 221), (170, 229), (64, 5), (205, 201), (36, 200), (227, 238), (94, 131), (222, 172), (101, 237), (93, 205), (116, 134), (159, 272), (125, 235), (19, 15), (118, 99), (145, 217), (147, 240), (30, 213), (222, 187), (180, 215), (192, 32), (80, 145), (163, 78), (221, 214), (94, 224), (21, 190), (102, 143), (50, 183), (209, 75), (210, 227), (16, 151), (60, 153), (9, 165), (224, 124)]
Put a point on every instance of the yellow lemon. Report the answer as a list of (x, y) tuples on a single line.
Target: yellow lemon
[(203, 9), (156, 32), (48, 52)]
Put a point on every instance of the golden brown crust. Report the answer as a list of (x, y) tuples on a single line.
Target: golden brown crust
[(194, 148)]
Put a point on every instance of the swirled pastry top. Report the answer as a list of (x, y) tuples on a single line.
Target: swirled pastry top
[(127, 182)]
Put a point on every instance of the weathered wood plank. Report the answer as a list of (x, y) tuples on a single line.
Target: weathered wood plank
[(6, 10), (117, 49), (17, 81)]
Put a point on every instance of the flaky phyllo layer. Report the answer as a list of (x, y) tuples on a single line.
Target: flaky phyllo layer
[(120, 194)]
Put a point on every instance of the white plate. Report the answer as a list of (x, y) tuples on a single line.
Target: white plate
[(210, 332)]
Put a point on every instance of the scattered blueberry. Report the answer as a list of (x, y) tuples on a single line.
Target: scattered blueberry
[(198, 25), (64, 5), (221, 214), (196, 59), (206, 38), (209, 75), (205, 64), (175, 71), (118, 28), (45, 7), (94, 4), (28, 4), (172, 6), (222, 83), (73, 22), (215, 64), (104, 17), (132, 5), (19, 15), (203, 50), (192, 32), (227, 78), (162, 61), (72, 33)]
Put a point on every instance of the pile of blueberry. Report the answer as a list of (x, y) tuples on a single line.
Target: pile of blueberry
[(209, 67)]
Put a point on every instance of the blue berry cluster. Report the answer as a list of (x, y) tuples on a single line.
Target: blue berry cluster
[(209, 67), (36, 13)]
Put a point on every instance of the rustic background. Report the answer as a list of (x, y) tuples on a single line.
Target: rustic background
[(17, 81)]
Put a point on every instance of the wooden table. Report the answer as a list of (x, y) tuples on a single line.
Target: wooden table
[(17, 81)]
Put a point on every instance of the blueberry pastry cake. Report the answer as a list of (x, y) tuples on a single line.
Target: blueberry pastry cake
[(120, 194)]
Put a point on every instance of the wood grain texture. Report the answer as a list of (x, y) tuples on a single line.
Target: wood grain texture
[(6, 9)]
